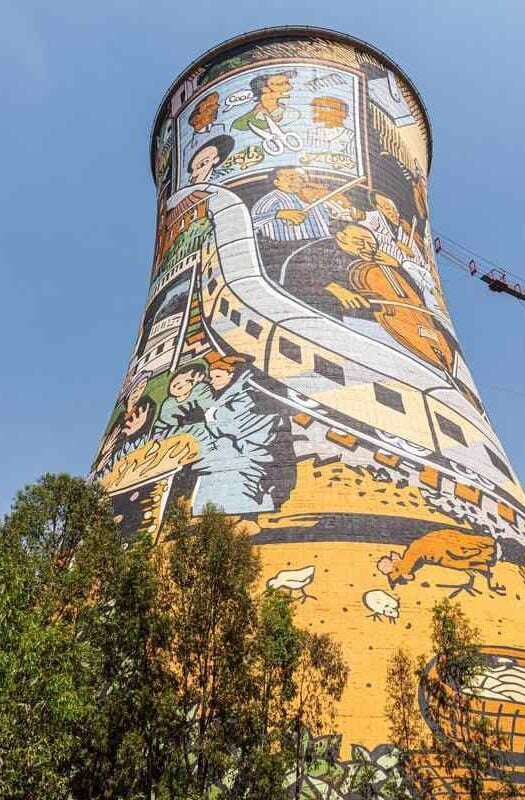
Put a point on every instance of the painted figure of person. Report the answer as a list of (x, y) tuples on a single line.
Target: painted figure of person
[(207, 158), (203, 120), (131, 427), (400, 295), (393, 233), (329, 134), (233, 412), (189, 396), (240, 447), (395, 236), (294, 210), (270, 93), (384, 296), (360, 243)]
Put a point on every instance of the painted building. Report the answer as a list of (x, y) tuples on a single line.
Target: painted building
[(297, 363), (191, 209)]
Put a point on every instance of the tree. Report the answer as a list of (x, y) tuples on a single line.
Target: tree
[(464, 742), (133, 671), (85, 684), (49, 557), (406, 725), (126, 746), (320, 679), (210, 573), (275, 658), (468, 744), (456, 644), (247, 673)]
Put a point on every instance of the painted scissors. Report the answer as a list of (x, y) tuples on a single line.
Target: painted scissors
[(275, 140)]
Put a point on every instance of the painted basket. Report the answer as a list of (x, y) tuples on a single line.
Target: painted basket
[(506, 716)]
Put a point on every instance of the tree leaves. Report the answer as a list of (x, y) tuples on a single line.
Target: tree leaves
[(141, 672)]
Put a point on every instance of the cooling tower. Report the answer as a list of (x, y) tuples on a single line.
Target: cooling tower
[(296, 363)]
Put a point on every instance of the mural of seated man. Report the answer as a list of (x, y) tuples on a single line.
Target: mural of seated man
[(350, 278), (295, 210)]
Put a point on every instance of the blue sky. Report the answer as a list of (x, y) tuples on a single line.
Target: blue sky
[(79, 86)]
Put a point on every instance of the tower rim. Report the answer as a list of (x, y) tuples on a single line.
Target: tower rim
[(260, 34)]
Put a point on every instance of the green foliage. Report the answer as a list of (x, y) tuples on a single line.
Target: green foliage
[(465, 745), (456, 643), (212, 572), (152, 672), (253, 677), (406, 724), (125, 753), (471, 747), (49, 559), (320, 678)]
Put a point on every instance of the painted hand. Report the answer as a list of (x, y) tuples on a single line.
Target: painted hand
[(292, 216), (405, 249), (347, 298)]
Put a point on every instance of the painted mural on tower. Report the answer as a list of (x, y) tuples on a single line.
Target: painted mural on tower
[(297, 365)]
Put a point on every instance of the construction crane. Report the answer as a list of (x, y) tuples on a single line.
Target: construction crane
[(495, 277)]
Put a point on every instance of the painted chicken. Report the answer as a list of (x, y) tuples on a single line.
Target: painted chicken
[(467, 552), (294, 580)]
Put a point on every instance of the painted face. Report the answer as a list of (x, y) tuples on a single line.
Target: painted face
[(220, 378), (205, 112), (289, 180), (278, 86), (136, 393), (388, 208), (329, 111), (181, 386), (357, 241), (203, 164)]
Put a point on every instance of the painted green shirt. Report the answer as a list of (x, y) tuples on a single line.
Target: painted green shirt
[(173, 414), (282, 116)]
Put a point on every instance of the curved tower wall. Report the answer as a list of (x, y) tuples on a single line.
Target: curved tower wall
[(296, 363)]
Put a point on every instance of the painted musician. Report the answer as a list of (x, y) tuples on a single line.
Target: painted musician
[(399, 293), (295, 209), (395, 235), (400, 239)]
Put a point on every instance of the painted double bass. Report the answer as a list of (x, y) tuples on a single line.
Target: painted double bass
[(399, 309)]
